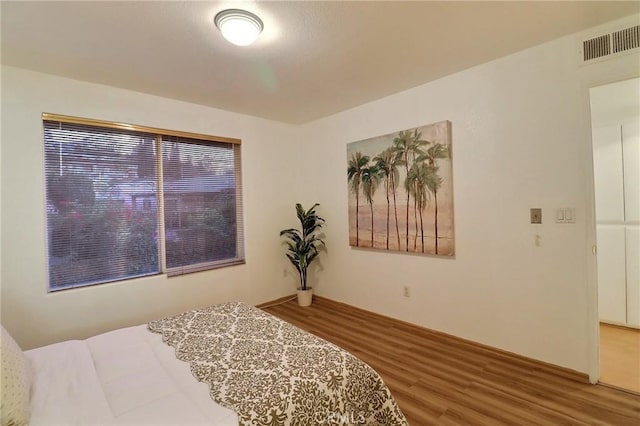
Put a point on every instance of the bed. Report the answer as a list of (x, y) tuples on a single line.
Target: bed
[(251, 369)]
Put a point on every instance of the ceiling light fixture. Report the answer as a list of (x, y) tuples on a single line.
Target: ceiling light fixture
[(238, 26)]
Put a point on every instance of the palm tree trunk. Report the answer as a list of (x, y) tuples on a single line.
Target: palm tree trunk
[(435, 202), (406, 166), (357, 218), (415, 217), (388, 211), (371, 207), (421, 228), (395, 209)]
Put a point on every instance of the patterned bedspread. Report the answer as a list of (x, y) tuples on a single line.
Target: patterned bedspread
[(272, 373)]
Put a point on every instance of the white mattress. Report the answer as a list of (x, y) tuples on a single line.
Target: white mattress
[(124, 377)]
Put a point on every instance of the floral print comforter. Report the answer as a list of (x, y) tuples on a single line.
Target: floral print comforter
[(272, 373)]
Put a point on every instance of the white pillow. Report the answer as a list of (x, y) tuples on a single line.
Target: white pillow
[(15, 383)]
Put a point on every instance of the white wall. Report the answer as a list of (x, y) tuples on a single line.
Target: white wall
[(35, 317), (521, 139)]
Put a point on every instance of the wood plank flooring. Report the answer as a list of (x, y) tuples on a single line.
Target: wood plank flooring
[(620, 356), (439, 379)]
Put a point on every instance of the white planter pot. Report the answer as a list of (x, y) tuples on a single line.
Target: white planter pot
[(305, 296)]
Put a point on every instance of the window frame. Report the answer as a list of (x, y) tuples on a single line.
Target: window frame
[(159, 133)]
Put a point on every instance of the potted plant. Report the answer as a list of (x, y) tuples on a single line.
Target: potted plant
[(303, 247)]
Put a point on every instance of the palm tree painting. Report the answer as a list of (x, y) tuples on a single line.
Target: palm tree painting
[(401, 191)]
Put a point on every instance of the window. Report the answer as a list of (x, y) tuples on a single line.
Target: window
[(126, 201)]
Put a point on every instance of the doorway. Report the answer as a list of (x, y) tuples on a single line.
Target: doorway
[(615, 120)]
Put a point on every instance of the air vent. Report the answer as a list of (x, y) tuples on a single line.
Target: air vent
[(626, 39), (597, 47), (611, 43)]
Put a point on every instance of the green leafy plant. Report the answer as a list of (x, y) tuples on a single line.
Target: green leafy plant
[(303, 245)]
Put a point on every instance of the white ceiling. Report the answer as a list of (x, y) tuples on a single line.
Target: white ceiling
[(312, 60)]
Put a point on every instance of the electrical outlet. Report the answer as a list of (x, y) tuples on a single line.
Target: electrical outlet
[(536, 215), (406, 292)]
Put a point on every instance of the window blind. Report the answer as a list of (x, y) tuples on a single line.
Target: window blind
[(124, 203), (202, 202)]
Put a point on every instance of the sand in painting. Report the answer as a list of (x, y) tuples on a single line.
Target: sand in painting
[(445, 230)]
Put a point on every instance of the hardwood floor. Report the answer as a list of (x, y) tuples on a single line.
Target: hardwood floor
[(439, 379), (620, 356)]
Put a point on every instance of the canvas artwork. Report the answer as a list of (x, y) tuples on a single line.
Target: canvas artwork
[(401, 191)]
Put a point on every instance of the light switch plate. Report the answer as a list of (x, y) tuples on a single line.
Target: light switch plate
[(536, 215), (569, 215), (566, 215)]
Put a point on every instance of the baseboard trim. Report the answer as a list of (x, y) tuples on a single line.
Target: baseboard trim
[(623, 326), (276, 301), (618, 388)]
